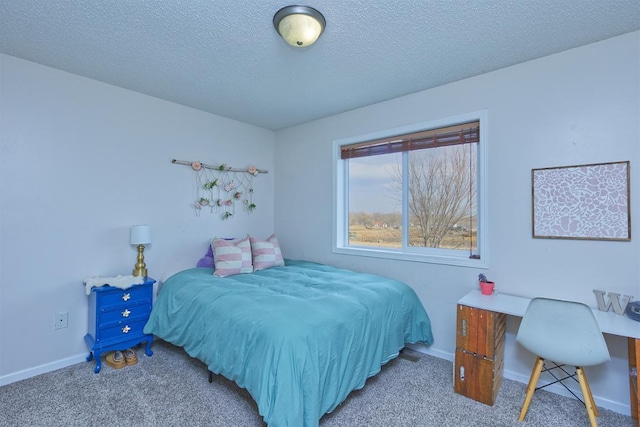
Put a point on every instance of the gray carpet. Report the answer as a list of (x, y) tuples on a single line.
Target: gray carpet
[(171, 389)]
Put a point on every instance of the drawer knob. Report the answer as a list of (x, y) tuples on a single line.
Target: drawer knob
[(126, 297), (126, 313), (126, 329)]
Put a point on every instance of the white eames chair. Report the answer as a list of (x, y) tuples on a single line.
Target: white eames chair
[(562, 333)]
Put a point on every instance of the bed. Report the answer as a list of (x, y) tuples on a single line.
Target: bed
[(299, 337)]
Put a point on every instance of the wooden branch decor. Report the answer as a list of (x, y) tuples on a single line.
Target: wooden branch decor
[(222, 187), (221, 167)]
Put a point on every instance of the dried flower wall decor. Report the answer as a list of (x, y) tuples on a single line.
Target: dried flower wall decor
[(220, 187)]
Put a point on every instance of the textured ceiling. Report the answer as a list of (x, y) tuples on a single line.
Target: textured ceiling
[(225, 57)]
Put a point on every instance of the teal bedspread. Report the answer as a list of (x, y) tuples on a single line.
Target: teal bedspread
[(299, 338)]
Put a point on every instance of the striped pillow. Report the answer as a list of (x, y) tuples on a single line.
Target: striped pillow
[(266, 253), (231, 256)]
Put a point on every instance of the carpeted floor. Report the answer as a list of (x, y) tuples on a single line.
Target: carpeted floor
[(171, 389)]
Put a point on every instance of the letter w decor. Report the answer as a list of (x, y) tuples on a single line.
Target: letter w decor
[(614, 300)]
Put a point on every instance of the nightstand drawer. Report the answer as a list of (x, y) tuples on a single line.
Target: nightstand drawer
[(125, 313), (119, 297), (122, 330)]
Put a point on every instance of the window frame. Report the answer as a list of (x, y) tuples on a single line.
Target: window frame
[(340, 231)]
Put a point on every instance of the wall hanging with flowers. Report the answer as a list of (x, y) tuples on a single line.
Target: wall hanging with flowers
[(220, 188)]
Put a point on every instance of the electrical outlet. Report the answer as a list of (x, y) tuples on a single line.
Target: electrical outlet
[(61, 320)]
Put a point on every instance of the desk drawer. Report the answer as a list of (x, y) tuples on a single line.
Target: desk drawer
[(480, 331), (477, 377)]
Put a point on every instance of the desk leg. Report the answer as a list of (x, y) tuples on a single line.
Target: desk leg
[(634, 362)]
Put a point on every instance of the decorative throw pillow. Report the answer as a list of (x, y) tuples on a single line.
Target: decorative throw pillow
[(231, 256), (207, 259), (206, 262), (266, 253)]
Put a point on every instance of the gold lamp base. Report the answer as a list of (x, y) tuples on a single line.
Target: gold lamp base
[(140, 268)]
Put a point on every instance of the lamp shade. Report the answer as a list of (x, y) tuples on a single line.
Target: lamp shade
[(299, 26), (140, 235)]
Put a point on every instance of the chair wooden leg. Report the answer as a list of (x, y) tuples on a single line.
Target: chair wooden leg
[(531, 387), (593, 402), (588, 397)]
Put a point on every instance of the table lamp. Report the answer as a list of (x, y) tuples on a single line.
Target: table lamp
[(140, 235)]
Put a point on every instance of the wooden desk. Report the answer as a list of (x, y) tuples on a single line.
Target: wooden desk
[(609, 322)]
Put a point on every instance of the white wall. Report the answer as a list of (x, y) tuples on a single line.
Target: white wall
[(577, 107), (80, 162)]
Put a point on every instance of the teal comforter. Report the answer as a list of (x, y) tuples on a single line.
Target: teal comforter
[(299, 338)]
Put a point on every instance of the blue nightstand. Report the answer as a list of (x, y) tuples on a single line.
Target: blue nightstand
[(117, 318)]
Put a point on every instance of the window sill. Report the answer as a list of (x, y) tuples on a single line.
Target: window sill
[(459, 261)]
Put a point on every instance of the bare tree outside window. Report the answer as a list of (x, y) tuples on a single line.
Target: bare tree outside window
[(442, 197)]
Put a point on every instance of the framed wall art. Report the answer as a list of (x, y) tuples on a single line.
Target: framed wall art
[(589, 202)]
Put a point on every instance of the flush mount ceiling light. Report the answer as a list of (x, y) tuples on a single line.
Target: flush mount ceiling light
[(300, 26)]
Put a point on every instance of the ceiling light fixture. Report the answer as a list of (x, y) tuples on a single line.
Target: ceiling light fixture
[(300, 26)]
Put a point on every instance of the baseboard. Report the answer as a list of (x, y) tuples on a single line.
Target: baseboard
[(430, 351), (611, 405), (42, 369)]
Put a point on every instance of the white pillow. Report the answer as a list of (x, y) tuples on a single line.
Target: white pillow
[(266, 253), (231, 256)]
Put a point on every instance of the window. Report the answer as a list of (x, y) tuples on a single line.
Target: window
[(414, 193)]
